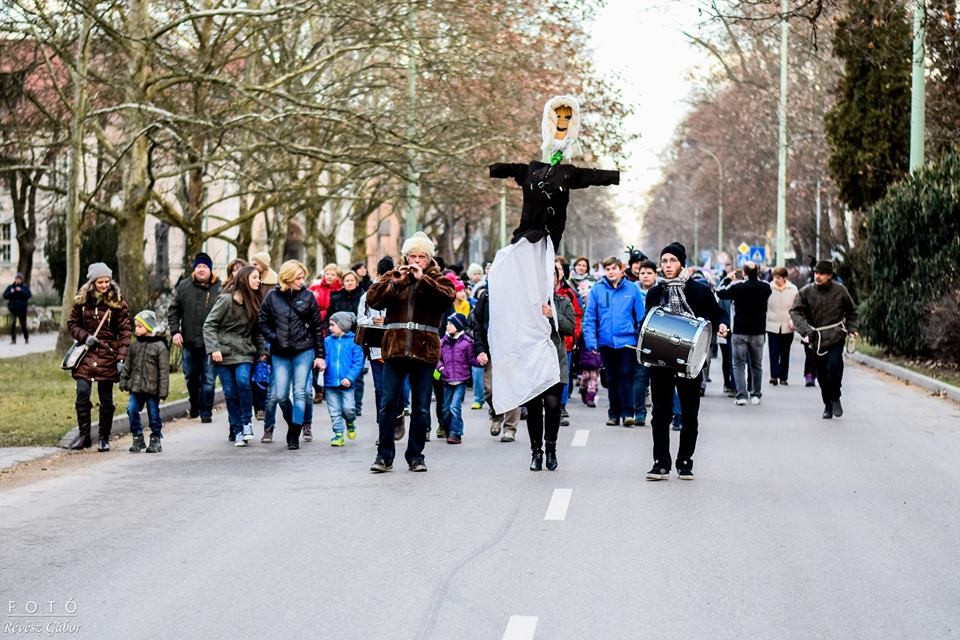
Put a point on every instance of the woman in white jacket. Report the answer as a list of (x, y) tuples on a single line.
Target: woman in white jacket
[(779, 325)]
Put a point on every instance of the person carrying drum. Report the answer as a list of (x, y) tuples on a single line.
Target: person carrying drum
[(680, 295), (824, 314)]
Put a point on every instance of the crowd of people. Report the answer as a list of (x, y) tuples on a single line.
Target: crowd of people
[(275, 340)]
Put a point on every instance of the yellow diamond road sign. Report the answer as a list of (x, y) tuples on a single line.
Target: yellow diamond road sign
[(744, 248)]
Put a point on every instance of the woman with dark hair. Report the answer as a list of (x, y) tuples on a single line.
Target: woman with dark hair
[(99, 319), (360, 268), (233, 267), (231, 338), (543, 411)]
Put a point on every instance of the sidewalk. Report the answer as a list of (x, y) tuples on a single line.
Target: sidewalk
[(39, 342)]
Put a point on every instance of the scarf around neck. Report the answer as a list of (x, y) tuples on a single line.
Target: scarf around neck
[(676, 300)]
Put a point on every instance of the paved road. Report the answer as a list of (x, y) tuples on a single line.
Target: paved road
[(39, 342), (795, 528)]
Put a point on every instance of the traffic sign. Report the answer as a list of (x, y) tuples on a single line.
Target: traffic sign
[(744, 248), (758, 255)]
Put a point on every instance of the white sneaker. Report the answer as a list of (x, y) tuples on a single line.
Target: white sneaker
[(240, 442), (755, 400), (740, 402), (247, 432)]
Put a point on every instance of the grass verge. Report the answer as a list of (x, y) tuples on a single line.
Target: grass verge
[(36, 404), (946, 376)]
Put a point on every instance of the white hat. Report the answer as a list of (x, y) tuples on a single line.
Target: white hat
[(420, 243)]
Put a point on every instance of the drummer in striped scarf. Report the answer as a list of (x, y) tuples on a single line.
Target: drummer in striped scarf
[(678, 294)]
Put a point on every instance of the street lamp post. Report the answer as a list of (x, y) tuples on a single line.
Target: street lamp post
[(719, 191)]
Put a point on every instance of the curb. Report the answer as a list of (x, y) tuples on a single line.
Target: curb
[(938, 387), (121, 423)]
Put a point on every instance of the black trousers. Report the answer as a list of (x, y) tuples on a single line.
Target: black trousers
[(543, 418), (727, 354), (809, 361), (662, 384), (84, 406), (620, 365), (22, 317), (830, 373), (779, 345)]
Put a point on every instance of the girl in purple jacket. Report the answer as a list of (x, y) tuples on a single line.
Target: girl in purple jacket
[(456, 358)]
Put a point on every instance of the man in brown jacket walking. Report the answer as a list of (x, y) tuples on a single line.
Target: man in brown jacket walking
[(415, 297)]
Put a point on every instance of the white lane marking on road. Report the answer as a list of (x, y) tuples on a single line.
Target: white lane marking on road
[(521, 628), (580, 438), (557, 509)]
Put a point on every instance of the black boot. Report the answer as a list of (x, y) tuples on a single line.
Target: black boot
[(83, 440), (138, 444), (536, 459), (156, 445), (293, 436), (106, 426), (551, 456)]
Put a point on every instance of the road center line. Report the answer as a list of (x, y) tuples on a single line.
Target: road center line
[(520, 628), (580, 438), (557, 509)]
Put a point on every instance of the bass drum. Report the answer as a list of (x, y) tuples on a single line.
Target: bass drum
[(680, 343)]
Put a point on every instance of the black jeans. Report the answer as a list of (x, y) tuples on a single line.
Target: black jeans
[(543, 417), (830, 373), (779, 345), (662, 384), (420, 375), (620, 365), (726, 353), (22, 317)]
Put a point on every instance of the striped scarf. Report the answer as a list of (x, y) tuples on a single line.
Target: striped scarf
[(676, 301)]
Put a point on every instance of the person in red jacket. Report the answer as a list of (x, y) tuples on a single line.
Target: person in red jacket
[(564, 289), (324, 287)]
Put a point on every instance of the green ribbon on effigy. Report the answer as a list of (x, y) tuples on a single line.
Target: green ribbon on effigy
[(556, 158)]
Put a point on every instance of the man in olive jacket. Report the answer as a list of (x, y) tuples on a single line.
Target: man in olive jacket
[(192, 302), (415, 297), (824, 314)]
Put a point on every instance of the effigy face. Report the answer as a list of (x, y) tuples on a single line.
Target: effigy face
[(564, 115)]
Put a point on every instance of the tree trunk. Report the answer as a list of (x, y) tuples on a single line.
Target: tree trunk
[(358, 252), (75, 186)]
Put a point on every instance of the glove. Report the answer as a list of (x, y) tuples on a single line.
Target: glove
[(91, 341), (121, 366)]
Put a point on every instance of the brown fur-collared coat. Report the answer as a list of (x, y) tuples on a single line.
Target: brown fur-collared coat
[(405, 299)]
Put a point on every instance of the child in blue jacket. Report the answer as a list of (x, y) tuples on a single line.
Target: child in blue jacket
[(344, 366)]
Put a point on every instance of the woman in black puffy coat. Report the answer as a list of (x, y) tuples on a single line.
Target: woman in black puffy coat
[(290, 321)]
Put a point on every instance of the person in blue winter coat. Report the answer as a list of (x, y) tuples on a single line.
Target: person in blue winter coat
[(344, 366), (611, 325)]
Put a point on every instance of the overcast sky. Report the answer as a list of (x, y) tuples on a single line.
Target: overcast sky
[(643, 42)]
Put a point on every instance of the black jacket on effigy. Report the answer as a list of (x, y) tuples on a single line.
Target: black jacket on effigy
[(290, 321), (700, 298), (546, 193), (749, 305), (192, 302)]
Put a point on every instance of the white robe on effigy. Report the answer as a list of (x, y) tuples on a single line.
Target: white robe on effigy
[(523, 357)]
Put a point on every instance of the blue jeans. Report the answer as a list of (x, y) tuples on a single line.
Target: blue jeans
[(620, 365), (293, 373), (420, 374), (286, 407), (235, 380), (340, 404), (452, 411), (748, 349), (135, 406), (477, 374), (641, 381), (566, 388), (201, 379)]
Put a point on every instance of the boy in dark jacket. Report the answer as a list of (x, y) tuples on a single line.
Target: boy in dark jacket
[(17, 295), (147, 377)]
